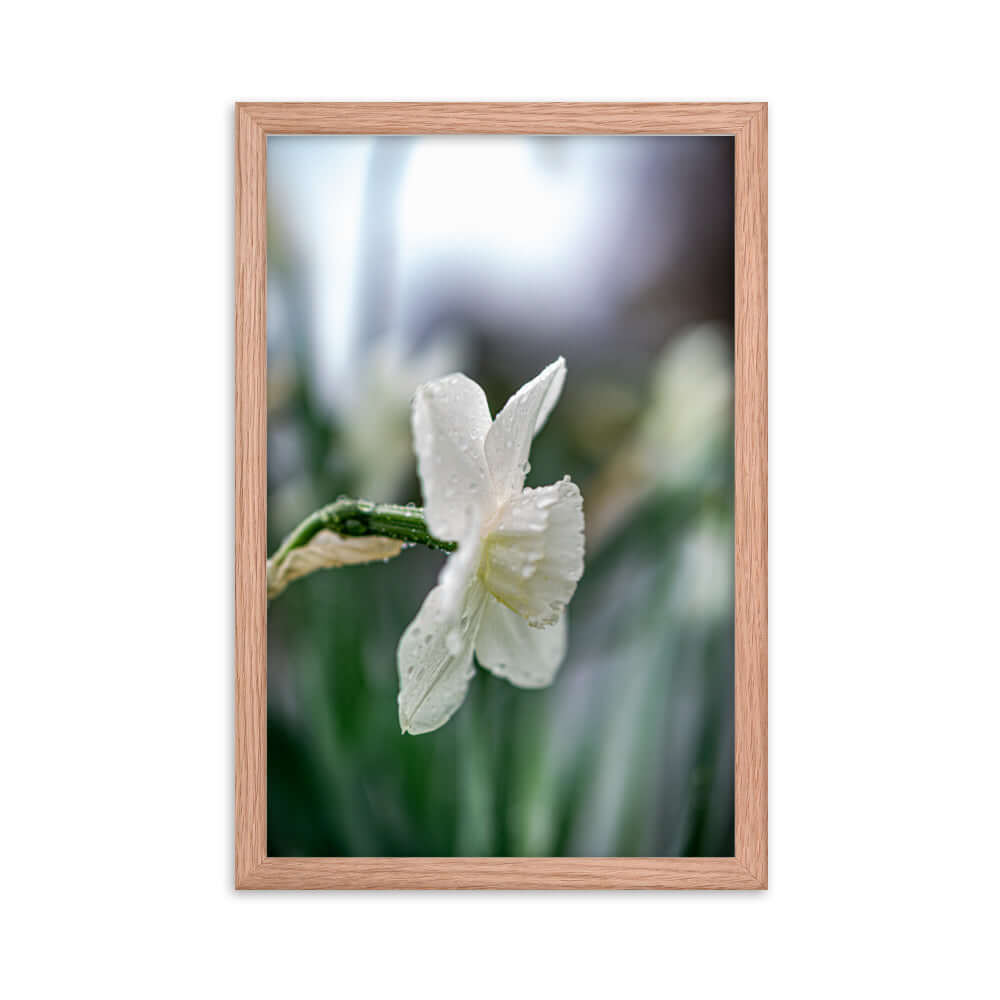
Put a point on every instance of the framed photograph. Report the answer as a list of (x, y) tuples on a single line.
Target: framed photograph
[(501, 496)]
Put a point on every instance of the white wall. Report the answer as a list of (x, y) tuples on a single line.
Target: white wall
[(116, 238)]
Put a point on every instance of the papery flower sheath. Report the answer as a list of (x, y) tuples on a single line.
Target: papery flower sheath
[(503, 594)]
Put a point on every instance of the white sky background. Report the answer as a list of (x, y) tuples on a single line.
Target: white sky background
[(540, 231)]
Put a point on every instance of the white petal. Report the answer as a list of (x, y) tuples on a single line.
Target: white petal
[(460, 569), (533, 554), (509, 439), (552, 393), (450, 422), (435, 658), (509, 647)]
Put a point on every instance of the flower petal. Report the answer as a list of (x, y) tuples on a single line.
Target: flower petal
[(459, 571), (510, 648), (435, 659), (509, 439), (533, 555), (450, 422)]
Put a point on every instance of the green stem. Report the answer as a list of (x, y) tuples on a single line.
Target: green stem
[(362, 517)]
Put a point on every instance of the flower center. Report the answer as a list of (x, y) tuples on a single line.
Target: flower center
[(526, 563)]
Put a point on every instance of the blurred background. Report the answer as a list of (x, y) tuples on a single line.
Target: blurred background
[(392, 260)]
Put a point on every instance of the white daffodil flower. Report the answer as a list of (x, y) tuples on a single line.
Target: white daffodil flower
[(520, 551)]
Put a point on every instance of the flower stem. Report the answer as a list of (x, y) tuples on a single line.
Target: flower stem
[(362, 517)]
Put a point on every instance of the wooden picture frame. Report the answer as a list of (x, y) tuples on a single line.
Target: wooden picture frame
[(747, 869)]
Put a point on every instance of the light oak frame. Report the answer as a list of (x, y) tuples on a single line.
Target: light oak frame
[(747, 869)]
